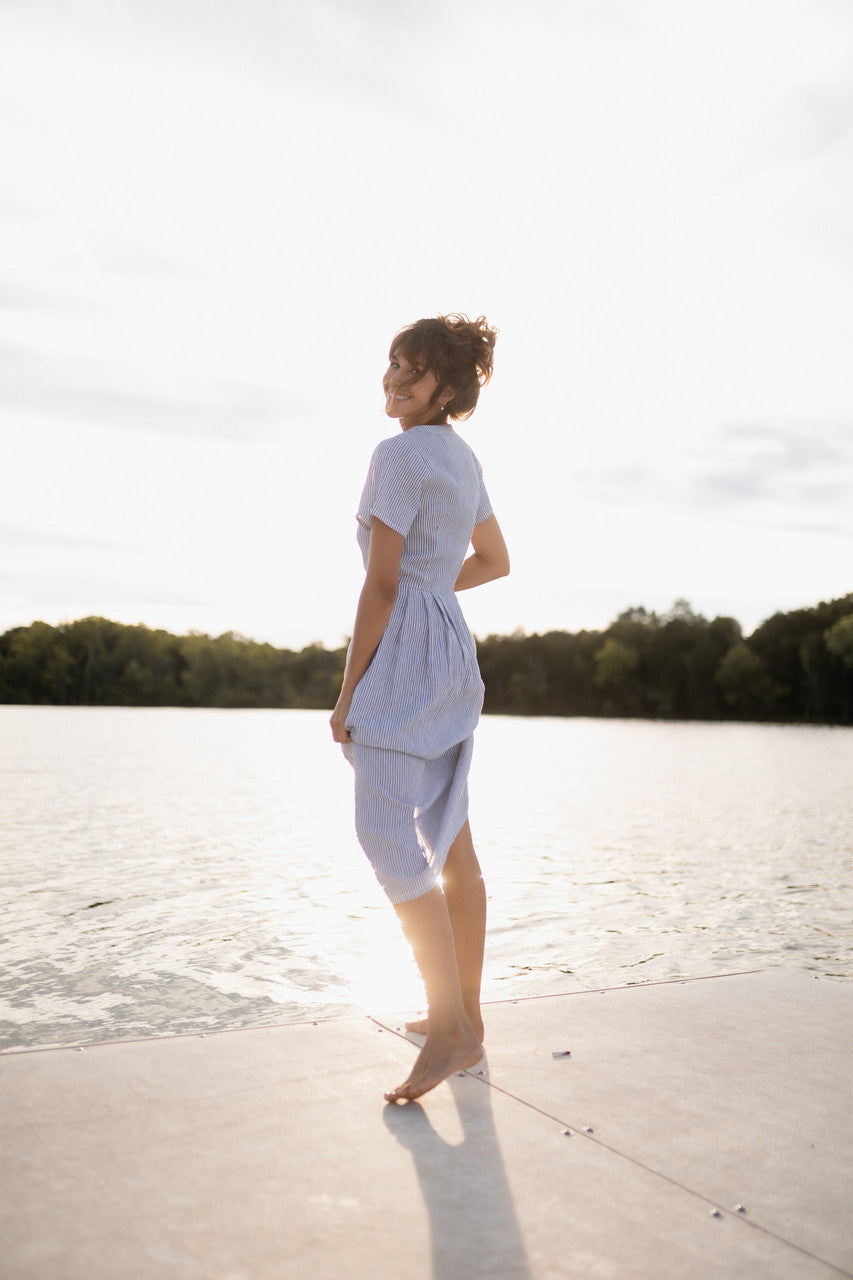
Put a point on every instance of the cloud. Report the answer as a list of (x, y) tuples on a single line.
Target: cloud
[(18, 296), (118, 255), (22, 537), (811, 118), (770, 462), (101, 395), (793, 476)]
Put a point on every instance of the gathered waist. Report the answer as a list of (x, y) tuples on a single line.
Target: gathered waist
[(440, 589)]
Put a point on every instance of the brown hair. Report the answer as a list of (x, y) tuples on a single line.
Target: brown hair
[(458, 352)]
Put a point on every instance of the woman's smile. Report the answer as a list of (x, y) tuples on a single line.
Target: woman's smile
[(410, 392)]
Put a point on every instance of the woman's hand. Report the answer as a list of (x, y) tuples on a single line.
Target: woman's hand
[(339, 719)]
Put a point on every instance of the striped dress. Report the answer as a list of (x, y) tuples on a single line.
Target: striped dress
[(414, 710)]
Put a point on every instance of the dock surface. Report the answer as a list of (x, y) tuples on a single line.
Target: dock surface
[(689, 1129)]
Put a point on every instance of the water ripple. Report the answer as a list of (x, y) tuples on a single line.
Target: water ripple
[(167, 871)]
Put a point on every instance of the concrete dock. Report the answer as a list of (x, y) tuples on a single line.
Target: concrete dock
[(687, 1129)]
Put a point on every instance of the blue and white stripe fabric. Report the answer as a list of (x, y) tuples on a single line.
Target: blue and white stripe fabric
[(416, 707)]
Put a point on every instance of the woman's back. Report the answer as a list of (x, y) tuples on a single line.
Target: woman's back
[(429, 485)]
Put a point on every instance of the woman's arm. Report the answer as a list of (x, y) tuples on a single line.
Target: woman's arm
[(490, 559), (381, 582)]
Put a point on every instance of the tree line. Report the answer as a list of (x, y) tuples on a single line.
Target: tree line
[(795, 667), (96, 662)]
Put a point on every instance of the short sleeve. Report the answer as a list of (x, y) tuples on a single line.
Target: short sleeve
[(484, 506), (392, 491)]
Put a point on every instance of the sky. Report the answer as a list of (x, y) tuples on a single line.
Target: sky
[(214, 217)]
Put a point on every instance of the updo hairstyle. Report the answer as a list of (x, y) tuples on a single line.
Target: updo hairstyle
[(458, 352)]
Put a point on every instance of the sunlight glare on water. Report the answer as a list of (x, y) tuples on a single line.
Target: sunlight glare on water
[(167, 870)]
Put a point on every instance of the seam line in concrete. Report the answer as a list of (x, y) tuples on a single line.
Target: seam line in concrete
[(626, 986), (577, 1131)]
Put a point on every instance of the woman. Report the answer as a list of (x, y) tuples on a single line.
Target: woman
[(412, 693)]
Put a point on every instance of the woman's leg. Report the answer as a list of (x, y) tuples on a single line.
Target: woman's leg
[(451, 1042), (465, 895)]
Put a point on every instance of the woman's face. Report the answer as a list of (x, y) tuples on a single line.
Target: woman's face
[(410, 392)]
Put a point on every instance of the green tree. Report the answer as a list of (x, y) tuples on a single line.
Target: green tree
[(839, 642), (744, 679), (839, 639), (614, 663), (804, 688)]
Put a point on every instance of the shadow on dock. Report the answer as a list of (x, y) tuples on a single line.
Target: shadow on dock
[(474, 1227)]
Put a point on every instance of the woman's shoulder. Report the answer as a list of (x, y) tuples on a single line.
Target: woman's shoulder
[(393, 444), (422, 448), (397, 456), (404, 447)]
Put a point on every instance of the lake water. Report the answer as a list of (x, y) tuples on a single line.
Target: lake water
[(167, 870)]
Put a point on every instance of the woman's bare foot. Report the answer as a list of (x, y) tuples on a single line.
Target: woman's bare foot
[(438, 1059), (420, 1025)]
